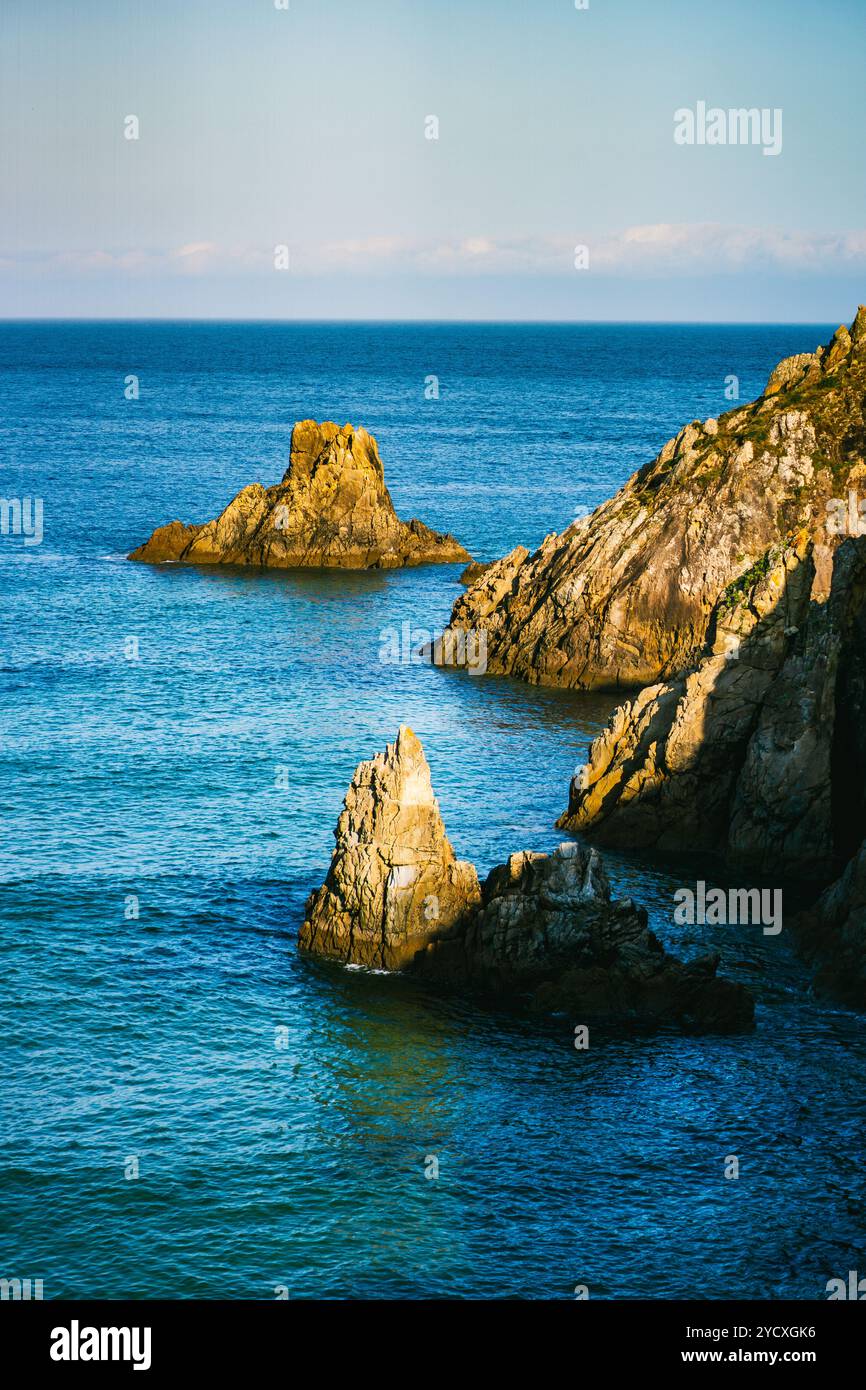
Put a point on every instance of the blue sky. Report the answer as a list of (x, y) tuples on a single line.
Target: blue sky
[(305, 127)]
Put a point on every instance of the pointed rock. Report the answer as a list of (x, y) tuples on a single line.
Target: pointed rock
[(543, 927), (394, 881)]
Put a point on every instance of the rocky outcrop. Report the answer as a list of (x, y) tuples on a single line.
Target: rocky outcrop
[(832, 934), (741, 756), (547, 929), (759, 753), (332, 508), (543, 927), (394, 881), (624, 598)]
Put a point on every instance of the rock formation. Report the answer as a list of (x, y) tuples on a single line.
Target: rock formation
[(542, 927), (751, 754), (758, 754), (332, 508), (547, 929), (832, 934), (624, 598), (394, 881)]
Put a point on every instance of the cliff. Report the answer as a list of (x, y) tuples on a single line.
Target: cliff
[(624, 598), (332, 508), (757, 754)]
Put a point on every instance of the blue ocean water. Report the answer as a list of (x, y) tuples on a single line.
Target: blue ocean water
[(280, 1112)]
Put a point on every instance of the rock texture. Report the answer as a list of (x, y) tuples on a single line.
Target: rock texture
[(547, 929), (624, 598), (758, 754), (833, 935), (394, 881), (751, 754), (332, 508), (542, 927)]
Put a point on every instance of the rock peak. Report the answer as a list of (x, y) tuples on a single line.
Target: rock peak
[(394, 881), (331, 509)]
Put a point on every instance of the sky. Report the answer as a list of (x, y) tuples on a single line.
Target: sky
[(308, 128)]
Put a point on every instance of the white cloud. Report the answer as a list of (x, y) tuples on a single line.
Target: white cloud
[(662, 248)]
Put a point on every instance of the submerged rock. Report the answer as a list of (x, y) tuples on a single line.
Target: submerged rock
[(543, 927), (624, 598), (332, 508)]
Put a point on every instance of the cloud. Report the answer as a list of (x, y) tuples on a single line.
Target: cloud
[(667, 249)]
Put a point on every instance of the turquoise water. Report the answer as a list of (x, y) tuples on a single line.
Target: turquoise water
[(204, 779)]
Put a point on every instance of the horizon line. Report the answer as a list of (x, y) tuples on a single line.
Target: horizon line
[(402, 322)]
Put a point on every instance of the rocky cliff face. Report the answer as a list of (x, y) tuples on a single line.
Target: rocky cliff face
[(624, 597), (332, 508), (758, 754), (751, 754), (832, 934), (542, 927)]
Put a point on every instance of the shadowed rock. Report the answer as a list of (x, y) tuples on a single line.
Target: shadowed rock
[(543, 927), (737, 756), (758, 755), (624, 598), (332, 508), (547, 929), (832, 934)]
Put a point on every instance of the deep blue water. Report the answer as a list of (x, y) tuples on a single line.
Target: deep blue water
[(155, 1038)]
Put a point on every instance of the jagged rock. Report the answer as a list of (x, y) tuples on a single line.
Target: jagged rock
[(394, 880), (624, 598), (474, 571), (832, 934), (547, 928), (332, 508), (543, 926), (751, 755)]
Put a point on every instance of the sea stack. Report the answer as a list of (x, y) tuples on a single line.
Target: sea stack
[(332, 509), (542, 928), (394, 881)]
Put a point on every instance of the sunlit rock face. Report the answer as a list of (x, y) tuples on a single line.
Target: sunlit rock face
[(624, 598), (332, 509), (394, 881)]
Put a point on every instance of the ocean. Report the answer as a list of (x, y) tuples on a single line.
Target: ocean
[(190, 1109)]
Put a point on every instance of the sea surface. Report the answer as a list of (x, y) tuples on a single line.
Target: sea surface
[(189, 1109)]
